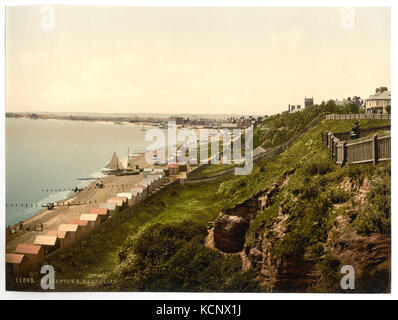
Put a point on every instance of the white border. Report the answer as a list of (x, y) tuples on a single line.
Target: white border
[(192, 296)]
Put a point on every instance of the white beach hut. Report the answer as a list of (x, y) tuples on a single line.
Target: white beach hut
[(140, 193), (146, 185), (112, 207), (129, 197), (93, 220), (74, 230), (147, 171)]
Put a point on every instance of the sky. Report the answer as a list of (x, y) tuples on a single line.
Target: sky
[(191, 60)]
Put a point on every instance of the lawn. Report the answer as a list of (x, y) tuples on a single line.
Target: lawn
[(196, 203)]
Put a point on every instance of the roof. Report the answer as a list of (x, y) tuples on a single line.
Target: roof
[(59, 234), (172, 165), (128, 195), (137, 190), (14, 258), (68, 227), (89, 216), (148, 169), (100, 211), (140, 187), (79, 222), (46, 240), (118, 198), (109, 206), (27, 248), (385, 95)]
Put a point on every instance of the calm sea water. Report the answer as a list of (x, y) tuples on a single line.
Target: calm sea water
[(53, 154)]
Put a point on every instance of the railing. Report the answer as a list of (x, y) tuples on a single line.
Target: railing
[(334, 116), (372, 150)]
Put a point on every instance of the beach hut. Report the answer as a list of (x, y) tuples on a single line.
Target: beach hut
[(93, 220), (155, 181), (65, 238), (147, 171), (161, 174), (138, 193), (102, 212), (173, 169), (120, 202), (158, 181), (83, 224), (73, 229), (112, 207), (49, 243), (16, 264), (147, 185), (129, 197), (143, 189), (152, 180), (135, 196), (34, 254)]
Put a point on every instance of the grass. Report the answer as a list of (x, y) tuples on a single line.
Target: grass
[(195, 203), (210, 170), (310, 195), (308, 199)]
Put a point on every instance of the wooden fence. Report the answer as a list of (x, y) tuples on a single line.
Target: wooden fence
[(334, 116), (370, 150)]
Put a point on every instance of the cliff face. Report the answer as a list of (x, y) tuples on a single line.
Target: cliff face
[(302, 272), (297, 234), (230, 227)]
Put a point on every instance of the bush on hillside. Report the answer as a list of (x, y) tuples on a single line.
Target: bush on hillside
[(166, 257)]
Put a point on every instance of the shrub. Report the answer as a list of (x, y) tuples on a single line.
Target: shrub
[(376, 215), (337, 195), (165, 257), (318, 166), (330, 273)]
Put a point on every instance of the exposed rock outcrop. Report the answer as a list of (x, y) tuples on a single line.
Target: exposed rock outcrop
[(232, 224), (229, 232)]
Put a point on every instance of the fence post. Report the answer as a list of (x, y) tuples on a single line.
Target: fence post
[(374, 147), (344, 153)]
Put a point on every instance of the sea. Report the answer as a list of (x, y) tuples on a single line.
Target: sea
[(46, 158)]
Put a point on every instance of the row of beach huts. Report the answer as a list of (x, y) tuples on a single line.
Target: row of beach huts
[(28, 257)]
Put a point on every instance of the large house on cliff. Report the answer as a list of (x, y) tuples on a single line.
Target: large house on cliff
[(380, 102)]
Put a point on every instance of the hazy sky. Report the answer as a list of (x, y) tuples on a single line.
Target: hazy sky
[(191, 60)]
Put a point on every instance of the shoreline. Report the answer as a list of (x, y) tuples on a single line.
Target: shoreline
[(88, 198), (95, 120)]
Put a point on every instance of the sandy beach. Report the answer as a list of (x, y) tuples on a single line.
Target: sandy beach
[(51, 219)]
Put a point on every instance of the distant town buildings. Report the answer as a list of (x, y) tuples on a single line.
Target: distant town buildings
[(294, 108), (308, 102), (379, 102), (349, 100)]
